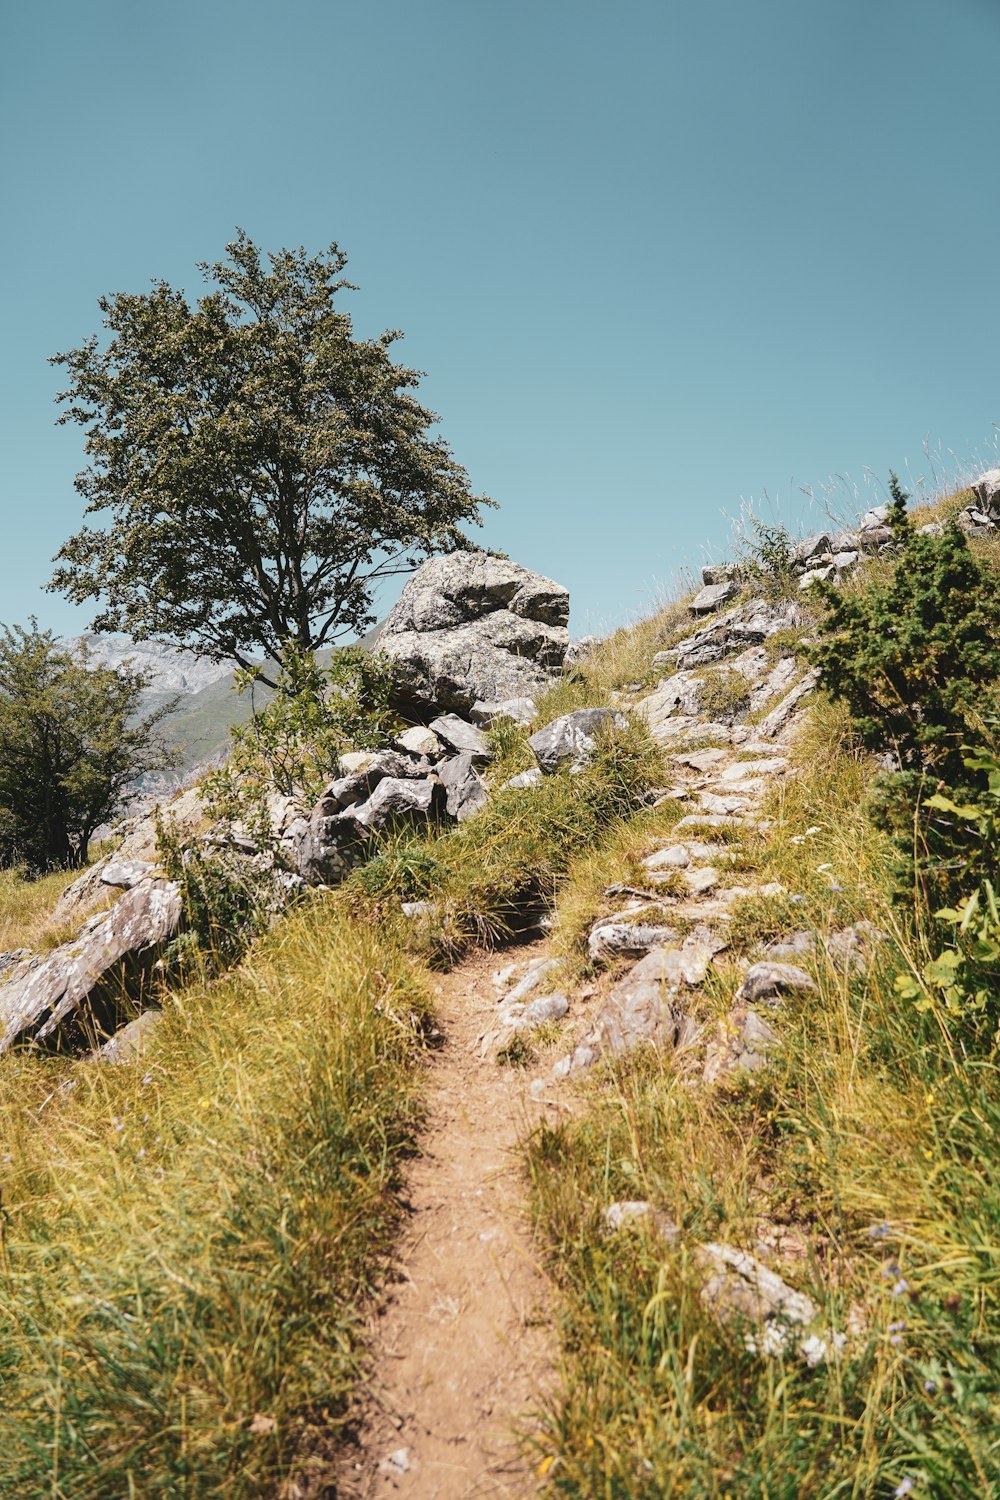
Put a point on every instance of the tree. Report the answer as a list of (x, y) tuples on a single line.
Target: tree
[(71, 747), (260, 468)]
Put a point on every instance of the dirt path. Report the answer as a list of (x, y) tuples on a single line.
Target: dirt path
[(463, 1345)]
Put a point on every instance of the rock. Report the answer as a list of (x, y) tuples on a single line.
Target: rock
[(415, 909), (875, 518), (771, 726), (818, 546), (464, 787), (76, 989), (395, 800), (740, 1288), (700, 881), (742, 1041), (674, 857), (842, 561), (712, 596), (524, 779), (581, 650), (14, 958), (546, 1008), (788, 949), (612, 938), (183, 816), (357, 787), (715, 573), (472, 628), (850, 949), (776, 683), (770, 981), (746, 625), (125, 872), (816, 575), (933, 528), (700, 760), (987, 492), (774, 765), (680, 693), (530, 979), (711, 803), (461, 736), (355, 760), (523, 711), (873, 539), (617, 1216), (419, 741), (570, 741), (128, 1044)]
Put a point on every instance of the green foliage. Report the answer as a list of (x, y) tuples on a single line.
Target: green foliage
[(71, 748), (291, 745), (724, 694), (255, 468), (963, 978), (766, 556), (228, 900), (912, 655), (898, 518)]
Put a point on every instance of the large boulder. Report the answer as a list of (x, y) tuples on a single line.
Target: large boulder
[(472, 628), (79, 988), (569, 742)]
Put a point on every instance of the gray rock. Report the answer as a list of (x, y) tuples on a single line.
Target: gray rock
[(125, 872), (788, 950), (713, 596), (816, 575), (740, 1289), (524, 779), (701, 760), (874, 538), (850, 950), (14, 958), (812, 547), (570, 741), (546, 1008), (768, 982), (357, 787), (715, 573), (464, 788), (742, 1042), (420, 742), (842, 561), (523, 711), (395, 800), (77, 988), (529, 979), (874, 518), (130, 1042), (987, 492), (933, 528), (746, 625), (771, 726), (581, 650), (638, 1010), (461, 736), (472, 628), (613, 938)]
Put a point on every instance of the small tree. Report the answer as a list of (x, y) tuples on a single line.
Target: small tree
[(257, 468), (71, 747)]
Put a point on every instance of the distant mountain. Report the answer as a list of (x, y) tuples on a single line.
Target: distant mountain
[(170, 671)]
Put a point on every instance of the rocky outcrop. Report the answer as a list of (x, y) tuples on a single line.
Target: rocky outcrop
[(471, 628), (569, 742), (81, 987)]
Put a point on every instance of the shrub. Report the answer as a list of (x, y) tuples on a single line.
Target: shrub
[(291, 746)]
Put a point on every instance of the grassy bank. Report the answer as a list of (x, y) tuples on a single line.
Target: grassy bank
[(864, 1164)]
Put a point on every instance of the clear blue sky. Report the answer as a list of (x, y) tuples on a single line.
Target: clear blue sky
[(654, 257)]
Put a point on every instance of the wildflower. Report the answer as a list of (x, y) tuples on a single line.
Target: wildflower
[(902, 1285), (148, 1078), (837, 887), (904, 1487), (796, 898), (878, 1231), (930, 1386), (896, 1340)]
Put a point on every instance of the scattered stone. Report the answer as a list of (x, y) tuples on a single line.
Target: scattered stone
[(768, 982), (637, 1010), (470, 628), (715, 573), (419, 741), (816, 575), (128, 1044), (613, 938), (415, 909), (522, 711), (353, 761), (722, 806), (617, 1216), (700, 760), (850, 949), (770, 727), (796, 945), (461, 736), (524, 779), (676, 857), (712, 596), (396, 1464), (742, 1041), (532, 977), (819, 546), (464, 788), (396, 799), (570, 741), (777, 765), (700, 881), (740, 1288), (581, 650)]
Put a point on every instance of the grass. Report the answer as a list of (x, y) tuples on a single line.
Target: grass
[(26, 907), (187, 1248)]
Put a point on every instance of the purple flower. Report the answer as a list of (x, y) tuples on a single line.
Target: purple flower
[(878, 1231), (903, 1488), (930, 1386), (902, 1285)]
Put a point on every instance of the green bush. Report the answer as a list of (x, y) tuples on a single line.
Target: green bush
[(291, 746)]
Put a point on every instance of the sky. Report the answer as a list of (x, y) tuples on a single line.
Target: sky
[(659, 261)]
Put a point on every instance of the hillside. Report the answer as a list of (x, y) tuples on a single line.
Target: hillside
[(602, 1126)]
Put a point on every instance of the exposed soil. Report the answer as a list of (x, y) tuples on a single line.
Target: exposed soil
[(463, 1346)]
